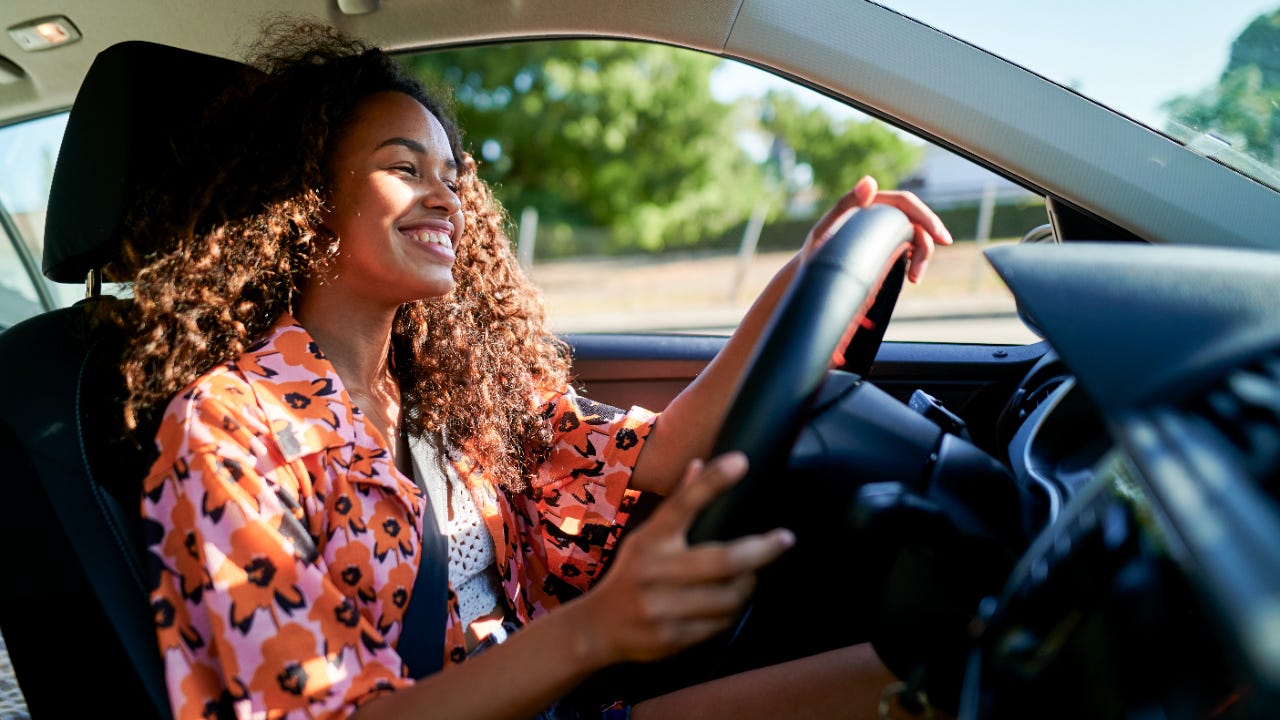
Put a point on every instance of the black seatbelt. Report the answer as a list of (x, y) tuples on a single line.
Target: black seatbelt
[(421, 644)]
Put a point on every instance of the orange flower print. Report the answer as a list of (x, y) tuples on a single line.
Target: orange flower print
[(308, 399), (567, 423), (260, 573), (205, 696), (626, 438), (293, 671), (172, 618), (394, 596), (251, 364), (366, 686), (346, 510), (300, 350), (181, 548), (392, 530), (339, 621), (230, 486), (352, 571), (366, 461), (169, 436)]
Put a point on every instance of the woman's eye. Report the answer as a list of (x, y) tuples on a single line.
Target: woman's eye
[(410, 170)]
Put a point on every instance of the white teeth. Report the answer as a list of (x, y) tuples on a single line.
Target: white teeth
[(437, 238)]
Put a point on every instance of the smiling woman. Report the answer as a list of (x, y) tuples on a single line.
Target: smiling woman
[(362, 362), (1099, 505)]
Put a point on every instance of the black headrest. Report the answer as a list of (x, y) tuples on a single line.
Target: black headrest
[(135, 100)]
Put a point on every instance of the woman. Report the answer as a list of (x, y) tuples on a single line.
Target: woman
[(340, 284)]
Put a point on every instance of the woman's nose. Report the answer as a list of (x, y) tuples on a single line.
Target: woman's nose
[(440, 195)]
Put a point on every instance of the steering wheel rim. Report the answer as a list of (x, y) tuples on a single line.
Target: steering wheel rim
[(833, 288)]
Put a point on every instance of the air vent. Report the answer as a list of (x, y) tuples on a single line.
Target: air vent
[(1048, 375), (1244, 409)]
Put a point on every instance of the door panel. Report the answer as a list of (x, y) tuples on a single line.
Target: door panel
[(974, 381)]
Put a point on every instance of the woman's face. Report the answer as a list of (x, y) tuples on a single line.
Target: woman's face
[(393, 204)]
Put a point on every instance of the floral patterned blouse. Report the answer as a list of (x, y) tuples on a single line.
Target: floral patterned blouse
[(285, 544)]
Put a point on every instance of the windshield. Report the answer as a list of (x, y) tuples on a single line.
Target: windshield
[(1204, 74)]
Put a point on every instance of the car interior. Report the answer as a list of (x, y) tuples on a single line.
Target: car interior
[(1078, 527), (76, 482)]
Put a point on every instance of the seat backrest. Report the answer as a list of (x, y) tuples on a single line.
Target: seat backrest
[(75, 613)]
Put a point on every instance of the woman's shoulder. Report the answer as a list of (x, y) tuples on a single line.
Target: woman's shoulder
[(285, 354), (220, 391)]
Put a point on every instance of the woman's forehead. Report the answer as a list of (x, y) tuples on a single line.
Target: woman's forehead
[(394, 117)]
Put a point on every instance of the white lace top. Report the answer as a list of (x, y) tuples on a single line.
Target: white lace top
[(473, 573)]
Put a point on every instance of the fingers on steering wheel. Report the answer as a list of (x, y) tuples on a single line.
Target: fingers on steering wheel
[(862, 195), (921, 251), (699, 486), (927, 228), (732, 560)]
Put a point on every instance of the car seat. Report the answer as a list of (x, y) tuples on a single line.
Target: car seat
[(74, 611)]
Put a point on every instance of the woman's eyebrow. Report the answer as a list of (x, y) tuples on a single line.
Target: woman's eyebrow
[(413, 145)]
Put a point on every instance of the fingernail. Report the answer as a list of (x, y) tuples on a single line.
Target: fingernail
[(786, 538)]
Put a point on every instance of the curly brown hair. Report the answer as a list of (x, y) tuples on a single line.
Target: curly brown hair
[(217, 252)]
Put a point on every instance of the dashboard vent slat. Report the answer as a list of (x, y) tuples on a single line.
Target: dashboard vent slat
[(1244, 409)]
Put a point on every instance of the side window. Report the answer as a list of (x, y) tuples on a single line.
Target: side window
[(19, 296), (657, 189), (28, 151)]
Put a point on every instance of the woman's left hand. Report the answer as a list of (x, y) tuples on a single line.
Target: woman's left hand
[(929, 230)]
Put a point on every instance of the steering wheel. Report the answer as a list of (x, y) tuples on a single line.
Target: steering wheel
[(833, 289)]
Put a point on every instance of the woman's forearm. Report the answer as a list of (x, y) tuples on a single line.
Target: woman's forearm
[(687, 427), (517, 679)]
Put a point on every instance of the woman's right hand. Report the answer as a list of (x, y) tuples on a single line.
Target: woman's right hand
[(661, 594)]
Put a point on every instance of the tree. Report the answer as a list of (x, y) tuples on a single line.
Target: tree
[(837, 151), (628, 135), (1241, 108), (603, 133)]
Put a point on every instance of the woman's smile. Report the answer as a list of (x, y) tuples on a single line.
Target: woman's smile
[(435, 236), (396, 213)]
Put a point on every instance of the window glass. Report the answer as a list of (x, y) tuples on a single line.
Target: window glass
[(28, 152), (653, 188), (18, 296)]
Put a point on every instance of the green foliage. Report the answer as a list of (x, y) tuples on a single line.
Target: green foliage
[(603, 133), (628, 136), (839, 151), (1242, 107)]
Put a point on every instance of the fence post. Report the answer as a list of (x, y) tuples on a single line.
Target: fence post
[(747, 251), (986, 211), (528, 237)]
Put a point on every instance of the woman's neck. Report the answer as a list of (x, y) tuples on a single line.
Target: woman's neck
[(357, 342)]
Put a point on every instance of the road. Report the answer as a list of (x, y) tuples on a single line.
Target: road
[(961, 299)]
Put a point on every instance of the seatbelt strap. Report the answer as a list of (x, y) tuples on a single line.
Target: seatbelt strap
[(421, 644)]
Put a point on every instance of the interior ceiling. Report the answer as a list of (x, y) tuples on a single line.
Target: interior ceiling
[(218, 26)]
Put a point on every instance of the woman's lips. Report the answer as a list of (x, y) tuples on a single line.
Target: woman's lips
[(436, 232)]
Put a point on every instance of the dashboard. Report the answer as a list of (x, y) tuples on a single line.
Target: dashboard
[(1151, 437)]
